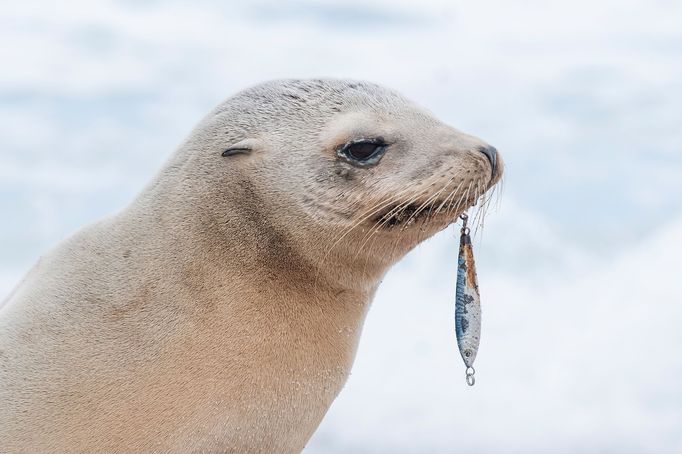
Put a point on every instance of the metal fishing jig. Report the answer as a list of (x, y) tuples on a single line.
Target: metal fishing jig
[(467, 303)]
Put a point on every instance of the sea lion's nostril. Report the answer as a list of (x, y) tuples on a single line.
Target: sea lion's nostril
[(491, 154)]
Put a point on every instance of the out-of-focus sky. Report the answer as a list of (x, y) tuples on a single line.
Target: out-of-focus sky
[(579, 266)]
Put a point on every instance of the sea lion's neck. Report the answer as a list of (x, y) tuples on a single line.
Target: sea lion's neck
[(235, 239), (253, 329), (251, 264), (237, 229)]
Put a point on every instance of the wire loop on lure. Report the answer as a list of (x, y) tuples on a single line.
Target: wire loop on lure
[(465, 230), (471, 380)]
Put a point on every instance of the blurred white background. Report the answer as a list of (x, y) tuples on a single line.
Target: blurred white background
[(579, 267)]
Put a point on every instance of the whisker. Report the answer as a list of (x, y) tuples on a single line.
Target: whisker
[(426, 203), (451, 194), (387, 218), (420, 234), (364, 217)]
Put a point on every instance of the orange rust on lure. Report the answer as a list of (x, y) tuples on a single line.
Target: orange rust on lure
[(467, 303)]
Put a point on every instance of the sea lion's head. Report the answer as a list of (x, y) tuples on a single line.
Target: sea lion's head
[(350, 168)]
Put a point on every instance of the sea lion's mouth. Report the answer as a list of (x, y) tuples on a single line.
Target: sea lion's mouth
[(405, 215)]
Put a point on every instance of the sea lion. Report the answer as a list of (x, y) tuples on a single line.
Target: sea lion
[(221, 310)]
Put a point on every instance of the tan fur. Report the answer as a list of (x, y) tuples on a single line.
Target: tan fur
[(221, 310)]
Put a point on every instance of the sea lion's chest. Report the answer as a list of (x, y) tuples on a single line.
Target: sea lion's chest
[(269, 394)]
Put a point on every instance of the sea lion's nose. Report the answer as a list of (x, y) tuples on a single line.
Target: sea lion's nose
[(490, 152)]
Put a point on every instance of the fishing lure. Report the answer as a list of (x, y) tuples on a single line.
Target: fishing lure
[(467, 303)]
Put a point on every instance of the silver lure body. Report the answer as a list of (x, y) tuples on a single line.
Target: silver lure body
[(467, 305)]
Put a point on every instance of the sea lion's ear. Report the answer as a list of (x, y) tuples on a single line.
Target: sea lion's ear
[(245, 146)]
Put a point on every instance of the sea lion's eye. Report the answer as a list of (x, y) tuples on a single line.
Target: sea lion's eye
[(363, 152)]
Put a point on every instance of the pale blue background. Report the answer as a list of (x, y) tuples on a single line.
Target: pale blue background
[(579, 265)]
